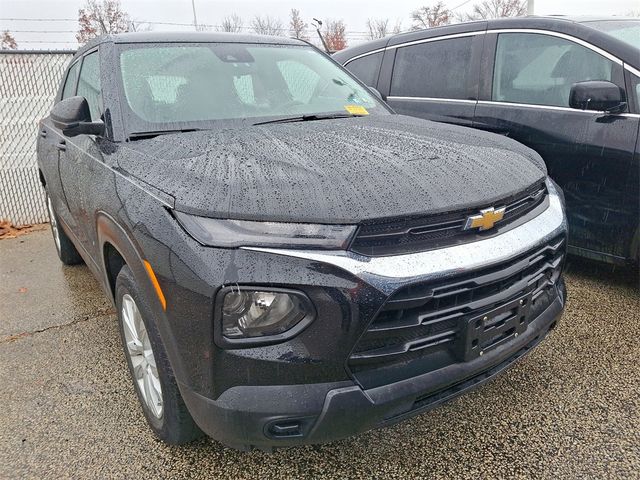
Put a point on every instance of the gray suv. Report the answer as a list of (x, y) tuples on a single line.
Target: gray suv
[(290, 261)]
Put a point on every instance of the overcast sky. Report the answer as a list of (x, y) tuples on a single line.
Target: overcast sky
[(60, 34)]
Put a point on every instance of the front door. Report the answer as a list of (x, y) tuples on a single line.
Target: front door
[(78, 164), (52, 149), (589, 154)]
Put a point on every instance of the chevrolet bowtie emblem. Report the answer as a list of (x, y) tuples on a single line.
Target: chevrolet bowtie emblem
[(485, 220)]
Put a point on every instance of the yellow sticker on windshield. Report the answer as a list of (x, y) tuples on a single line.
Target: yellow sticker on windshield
[(356, 110)]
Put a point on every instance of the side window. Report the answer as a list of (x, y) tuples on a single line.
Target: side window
[(69, 89), (438, 69), (301, 80), (164, 88), (540, 69), (89, 84), (366, 68), (243, 85), (635, 86)]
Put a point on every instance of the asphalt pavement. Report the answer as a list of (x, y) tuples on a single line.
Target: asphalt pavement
[(571, 409)]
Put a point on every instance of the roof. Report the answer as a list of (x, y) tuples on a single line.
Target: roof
[(577, 25), (589, 18), (188, 37)]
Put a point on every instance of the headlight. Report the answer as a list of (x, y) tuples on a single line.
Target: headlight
[(248, 313), (243, 233)]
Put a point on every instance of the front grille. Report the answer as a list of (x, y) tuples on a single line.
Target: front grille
[(408, 235), (423, 327), (433, 398)]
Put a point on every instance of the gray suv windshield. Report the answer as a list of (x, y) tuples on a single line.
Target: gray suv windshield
[(169, 84)]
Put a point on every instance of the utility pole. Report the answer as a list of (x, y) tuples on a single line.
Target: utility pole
[(195, 18), (318, 26), (530, 7)]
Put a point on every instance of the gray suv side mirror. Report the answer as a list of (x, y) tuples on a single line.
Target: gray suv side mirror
[(73, 117), (598, 95)]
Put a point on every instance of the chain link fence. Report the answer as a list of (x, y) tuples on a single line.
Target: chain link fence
[(28, 84)]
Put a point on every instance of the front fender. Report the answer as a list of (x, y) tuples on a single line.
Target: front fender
[(110, 232)]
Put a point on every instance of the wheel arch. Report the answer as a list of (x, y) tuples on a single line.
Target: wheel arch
[(116, 249)]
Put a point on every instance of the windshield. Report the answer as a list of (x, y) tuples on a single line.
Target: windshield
[(626, 30), (170, 86)]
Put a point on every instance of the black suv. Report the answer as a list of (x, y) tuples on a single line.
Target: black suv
[(290, 261), (568, 88)]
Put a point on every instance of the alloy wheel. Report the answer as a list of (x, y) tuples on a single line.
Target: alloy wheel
[(138, 345), (54, 223)]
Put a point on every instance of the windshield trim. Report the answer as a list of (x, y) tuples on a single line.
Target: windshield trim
[(136, 127)]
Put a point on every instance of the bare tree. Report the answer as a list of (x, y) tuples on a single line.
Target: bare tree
[(99, 18), (297, 26), (231, 24), (8, 42), (378, 28), (397, 28), (495, 9), (335, 35), (434, 16), (267, 26)]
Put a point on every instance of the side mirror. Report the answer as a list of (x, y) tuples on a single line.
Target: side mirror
[(73, 117), (597, 95), (377, 94)]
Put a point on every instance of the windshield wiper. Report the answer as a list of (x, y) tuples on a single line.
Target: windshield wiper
[(309, 118), (145, 135)]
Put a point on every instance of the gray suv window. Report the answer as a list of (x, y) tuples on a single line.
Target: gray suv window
[(69, 89), (438, 69), (540, 69), (635, 86), (366, 68), (89, 84)]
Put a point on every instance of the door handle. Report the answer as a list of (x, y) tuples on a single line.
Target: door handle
[(61, 145), (43, 133)]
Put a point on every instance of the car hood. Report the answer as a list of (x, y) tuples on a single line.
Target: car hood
[(333, 171)]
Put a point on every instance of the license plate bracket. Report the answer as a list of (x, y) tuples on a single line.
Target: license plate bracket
[(491, 329)]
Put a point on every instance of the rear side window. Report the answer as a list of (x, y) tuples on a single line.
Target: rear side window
[(366, 68), (89, 84), (69, 89), (438, 69), (540, 69)]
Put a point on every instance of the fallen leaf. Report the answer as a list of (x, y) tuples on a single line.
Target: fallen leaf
[(8, 230)]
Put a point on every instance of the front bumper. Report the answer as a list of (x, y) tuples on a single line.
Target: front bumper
[(305, 389), (285, 415)]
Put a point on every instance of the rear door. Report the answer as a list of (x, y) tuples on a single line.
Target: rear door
[(434, 78), (525, 95)]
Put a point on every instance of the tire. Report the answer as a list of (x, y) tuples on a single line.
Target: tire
[(158, 392), (64, 246)]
